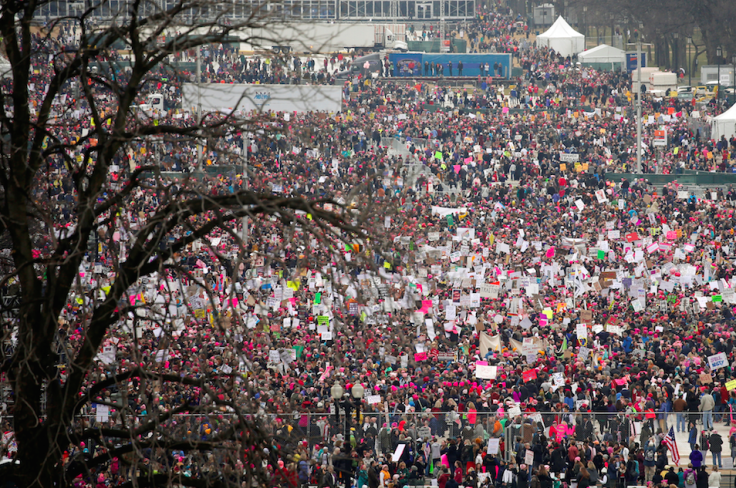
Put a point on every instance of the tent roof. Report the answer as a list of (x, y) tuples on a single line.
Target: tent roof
[(729, 114), (560, 29), (602, 50)]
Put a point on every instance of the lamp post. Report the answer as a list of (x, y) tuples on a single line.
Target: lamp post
[(733, 71), (638, 102), (358, 391), (689, 66), (719, 52), (199, 105), (612, 18), (676, 37), (336, 393)]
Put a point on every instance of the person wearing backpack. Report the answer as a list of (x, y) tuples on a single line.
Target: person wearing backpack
[(690, 477), (650, 460), (632, 471)]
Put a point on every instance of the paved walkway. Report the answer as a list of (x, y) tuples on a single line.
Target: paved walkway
[(684, 448)]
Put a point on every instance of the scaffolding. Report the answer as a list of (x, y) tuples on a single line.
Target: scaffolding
[(407, 9), (416, 10)]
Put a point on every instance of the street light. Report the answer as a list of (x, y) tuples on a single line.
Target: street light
[(719, 52), (336, 392), (689, 66), (358, 391), (676, 36), (638, 93)]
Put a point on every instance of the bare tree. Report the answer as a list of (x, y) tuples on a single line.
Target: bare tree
[(52, 367), (662, 18)]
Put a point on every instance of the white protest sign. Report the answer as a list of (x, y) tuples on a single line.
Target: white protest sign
[(107, 356), (583, 354), (493, 445), (102, 413), (397, 454), (486, 372), (274, 357), (529, 457), (373, 399), (718, 361), (581, 331)]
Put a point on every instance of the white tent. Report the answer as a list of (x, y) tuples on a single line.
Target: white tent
[(565, 40), (603, 54), (724, 124)]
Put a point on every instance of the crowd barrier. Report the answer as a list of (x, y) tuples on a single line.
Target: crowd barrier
[(517, 109), (698, 178), (507, 433), (510, 426)]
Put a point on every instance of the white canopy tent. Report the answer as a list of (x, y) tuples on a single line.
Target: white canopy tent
[(603, 54), (724, 124), (565, 40)]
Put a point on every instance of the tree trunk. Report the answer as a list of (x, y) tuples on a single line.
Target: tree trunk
[(38, 452), (710, 47), (38, 463)]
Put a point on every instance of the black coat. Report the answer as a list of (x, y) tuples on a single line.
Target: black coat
[(545, 481), (373, 480), (702, 481), (558, 460), (522, 478)]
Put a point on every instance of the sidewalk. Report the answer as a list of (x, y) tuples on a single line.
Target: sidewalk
[(684, 448)]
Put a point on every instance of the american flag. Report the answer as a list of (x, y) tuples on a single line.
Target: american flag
[(671, 443)]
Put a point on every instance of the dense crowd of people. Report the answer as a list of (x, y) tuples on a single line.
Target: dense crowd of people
[(532, 323)]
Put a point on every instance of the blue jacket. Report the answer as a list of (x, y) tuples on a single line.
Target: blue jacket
[(693, 437), (664, 409), (570, 402)]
